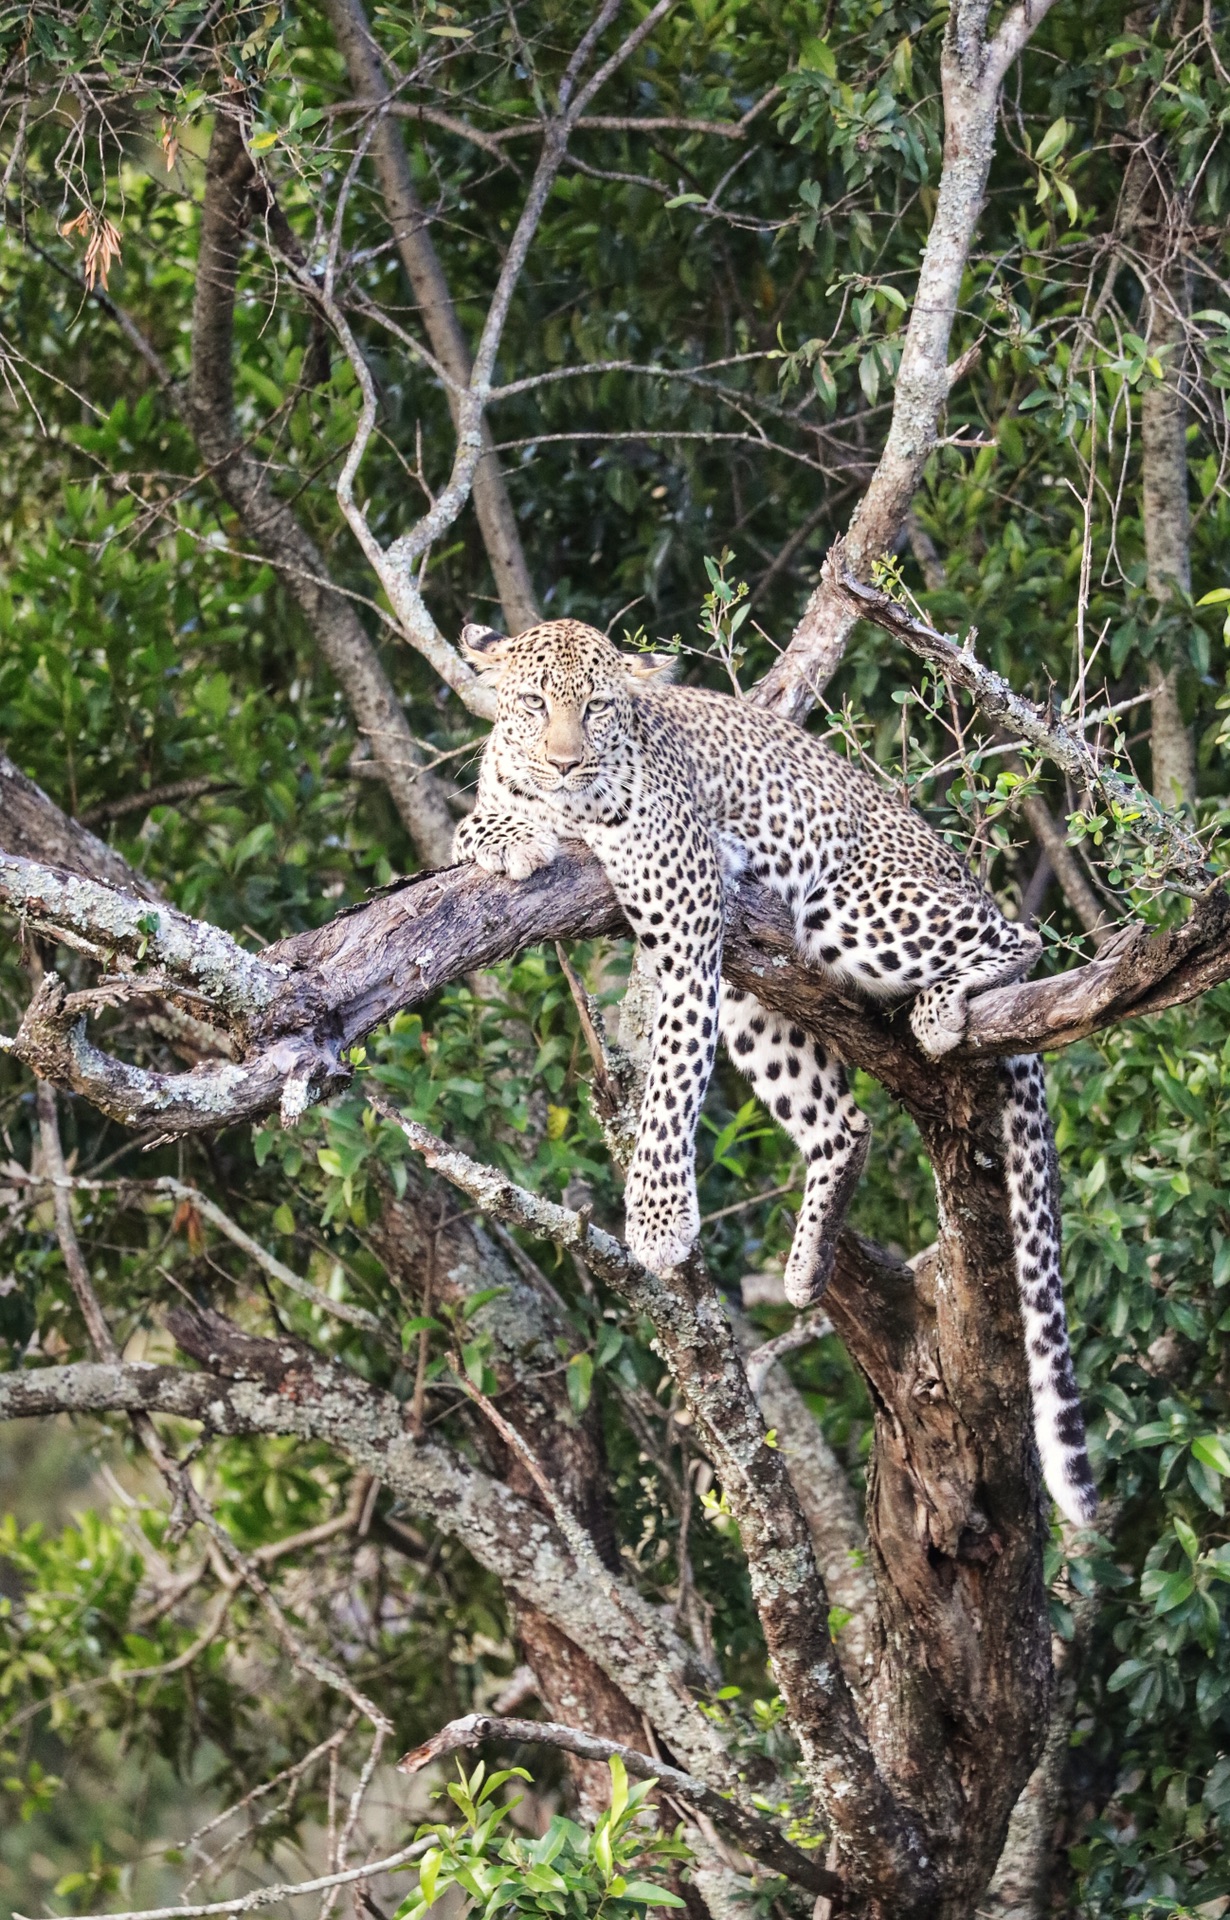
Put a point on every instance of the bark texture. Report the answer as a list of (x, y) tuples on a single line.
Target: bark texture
[(1167, 518), (436, 1253)]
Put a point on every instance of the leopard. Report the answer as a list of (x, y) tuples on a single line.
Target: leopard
[(681, 793)]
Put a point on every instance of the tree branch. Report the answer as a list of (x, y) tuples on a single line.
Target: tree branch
[(271, 524), (412, 233), (698, 1344), (343, 980), (394, 566), (756, 1837), (1175, 851), (972, 72), (254, 1386)]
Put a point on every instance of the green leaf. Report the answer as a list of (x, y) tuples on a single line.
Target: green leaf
[(580, 1379), (1175, 1589), (1186, 1538), (648, 1895), (816, 56), (1053, 141), (429, 1873), (685, 200), (420, 1323), (619, 1787), (1210, 1449)]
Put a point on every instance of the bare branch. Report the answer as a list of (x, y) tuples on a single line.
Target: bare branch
[(271, 1896), (412, 233), (192, 951), (395, 566), (255, 1386), (1178, 857), (756, 1837), (972, 72)]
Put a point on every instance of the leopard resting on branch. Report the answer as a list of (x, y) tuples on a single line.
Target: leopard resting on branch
[(679, 791)]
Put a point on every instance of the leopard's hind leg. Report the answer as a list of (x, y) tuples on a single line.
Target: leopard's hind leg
[(933, 940), (803, 1085), (940, 1012)]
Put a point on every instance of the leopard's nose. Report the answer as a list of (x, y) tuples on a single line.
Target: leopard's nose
[(563, 759)]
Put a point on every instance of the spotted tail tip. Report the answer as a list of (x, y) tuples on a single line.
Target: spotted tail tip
[(1077, 1500)]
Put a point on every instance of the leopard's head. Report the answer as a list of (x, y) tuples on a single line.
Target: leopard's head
[(564, 709)]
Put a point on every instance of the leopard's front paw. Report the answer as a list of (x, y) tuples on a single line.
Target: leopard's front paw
[(662, 1221), (518, 852)]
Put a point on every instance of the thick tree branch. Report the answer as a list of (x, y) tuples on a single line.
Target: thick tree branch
[(698, 1344), (1166, 517), (756, 1837), (346, 978), (831, 1511)]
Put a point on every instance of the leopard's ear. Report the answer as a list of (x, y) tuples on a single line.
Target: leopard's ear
[(644, 667), (485, 649)]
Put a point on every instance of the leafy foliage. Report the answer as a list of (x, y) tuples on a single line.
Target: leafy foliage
[(569, 1871)]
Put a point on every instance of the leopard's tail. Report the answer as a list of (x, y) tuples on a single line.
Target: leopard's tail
[(1033, 1189)]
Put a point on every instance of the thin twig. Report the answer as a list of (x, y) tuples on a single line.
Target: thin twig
[(756, 1837)]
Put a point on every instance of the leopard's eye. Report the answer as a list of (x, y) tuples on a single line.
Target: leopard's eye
[(596, 707), (532, 702)]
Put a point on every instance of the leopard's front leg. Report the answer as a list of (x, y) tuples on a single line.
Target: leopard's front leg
[(669, 885)]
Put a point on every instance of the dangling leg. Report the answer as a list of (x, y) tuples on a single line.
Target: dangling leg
[(803, 1086)]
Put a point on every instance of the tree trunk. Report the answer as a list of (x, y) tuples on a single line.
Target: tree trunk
[(1166, 517)]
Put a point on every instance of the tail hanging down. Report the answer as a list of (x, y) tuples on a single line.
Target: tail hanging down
[(1033, 1191)]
